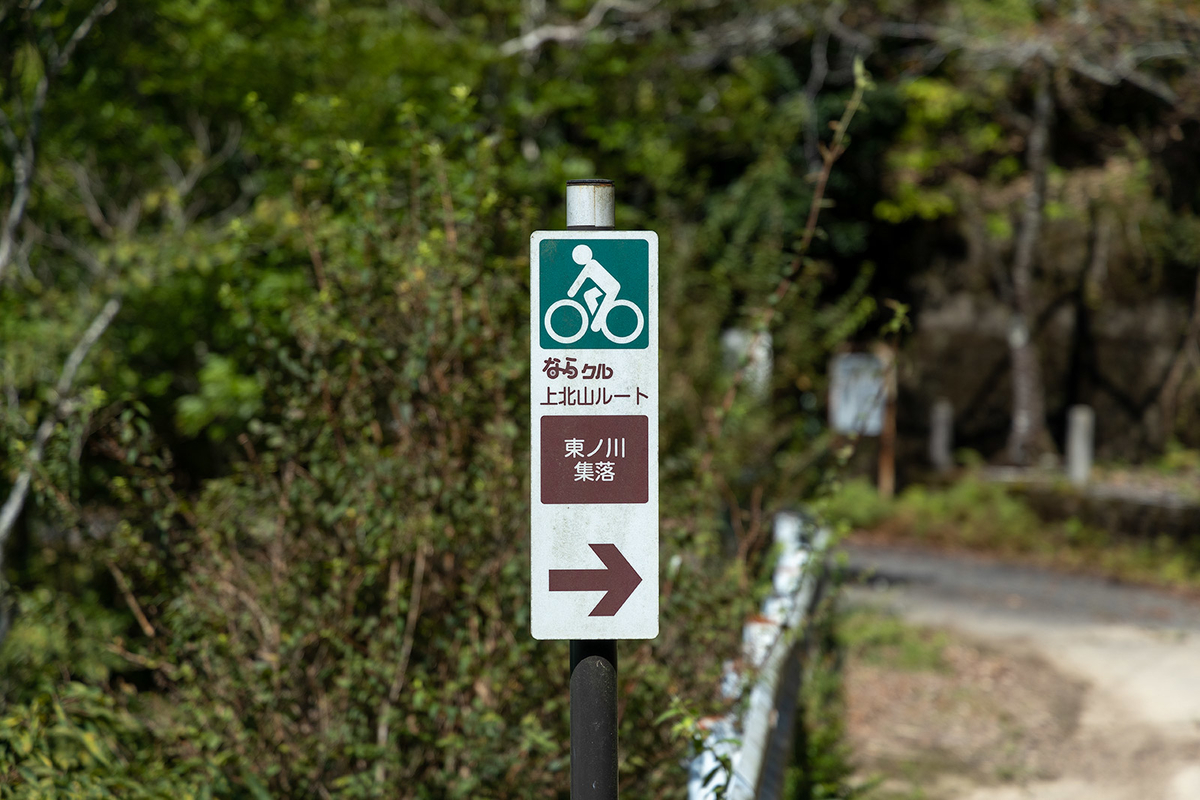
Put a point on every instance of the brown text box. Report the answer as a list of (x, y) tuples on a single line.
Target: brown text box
[(595, 459)]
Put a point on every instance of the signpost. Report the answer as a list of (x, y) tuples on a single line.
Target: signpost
[(594, 401), (594, 472), (857, 394), (862, 402)]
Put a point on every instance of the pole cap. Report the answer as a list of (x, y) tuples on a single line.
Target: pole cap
[(591, 203)]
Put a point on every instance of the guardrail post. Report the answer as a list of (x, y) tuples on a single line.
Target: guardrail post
[(759, 743)]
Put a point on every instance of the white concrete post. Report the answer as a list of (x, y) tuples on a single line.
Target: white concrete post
[(941, 436), (1081, 430)]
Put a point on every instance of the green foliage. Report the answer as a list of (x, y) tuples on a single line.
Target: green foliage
[(855, 503), (73, 741), (55, 635), (881, 638), (687, 724), (949, 125), (1180, 459), (823, 766), (360, 571), (992, 518), (343, 607), (224, 395), (911, 201), (288, 499), (969, 511)]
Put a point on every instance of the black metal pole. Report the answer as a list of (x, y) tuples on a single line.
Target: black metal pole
[(591, 205), (593, 719)]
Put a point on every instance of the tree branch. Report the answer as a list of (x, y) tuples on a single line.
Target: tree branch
[(185, 183), (859, 44), (434, 14), (130, 600), (101, 9), (747, 32), (1187, 353), (20, 490), (818, 72), (382, 725), (80, 254), (1152, 85), (997, 50), (563, 33), (830, 155), (24, 156), (91, 206), (22, 167)]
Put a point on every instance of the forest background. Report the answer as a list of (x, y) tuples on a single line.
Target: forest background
[(263, 319)]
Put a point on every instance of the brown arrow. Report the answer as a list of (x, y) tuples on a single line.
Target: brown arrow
[(617, 580)]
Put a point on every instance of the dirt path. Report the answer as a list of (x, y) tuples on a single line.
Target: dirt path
[(1053, 686)]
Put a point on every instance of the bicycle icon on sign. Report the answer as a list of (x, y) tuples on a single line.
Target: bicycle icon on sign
[(606, 286)]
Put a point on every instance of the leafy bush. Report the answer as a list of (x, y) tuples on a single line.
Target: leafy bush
[(968, 512), (53, 634), (855, 503), (72, 741), (345, 609), (288, 540), (992, 518), (1180, 460)]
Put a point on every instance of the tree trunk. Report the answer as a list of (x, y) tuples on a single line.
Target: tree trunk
[(1028, 437)]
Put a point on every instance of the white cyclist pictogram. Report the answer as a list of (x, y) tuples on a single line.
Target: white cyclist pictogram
[(607, 287)]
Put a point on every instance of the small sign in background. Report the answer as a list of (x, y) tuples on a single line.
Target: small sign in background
[(857, 394)]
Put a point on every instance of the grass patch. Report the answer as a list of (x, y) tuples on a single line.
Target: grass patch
[(822, 767), (1179, 460), (856, 504), (880, 638), (986, 517)]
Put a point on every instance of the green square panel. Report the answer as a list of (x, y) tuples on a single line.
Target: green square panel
[(595, 294)]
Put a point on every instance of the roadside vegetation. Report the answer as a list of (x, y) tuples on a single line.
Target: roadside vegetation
[(263, 324), (973, 514), (1176, 471), (263, 352)]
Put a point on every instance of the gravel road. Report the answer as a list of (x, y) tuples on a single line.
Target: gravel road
[(1134, 655)]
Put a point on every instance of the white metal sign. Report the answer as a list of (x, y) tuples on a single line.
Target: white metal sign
[(857, 394), (594, 412)]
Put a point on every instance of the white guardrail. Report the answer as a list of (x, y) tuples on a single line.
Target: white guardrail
[(757, 744)]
